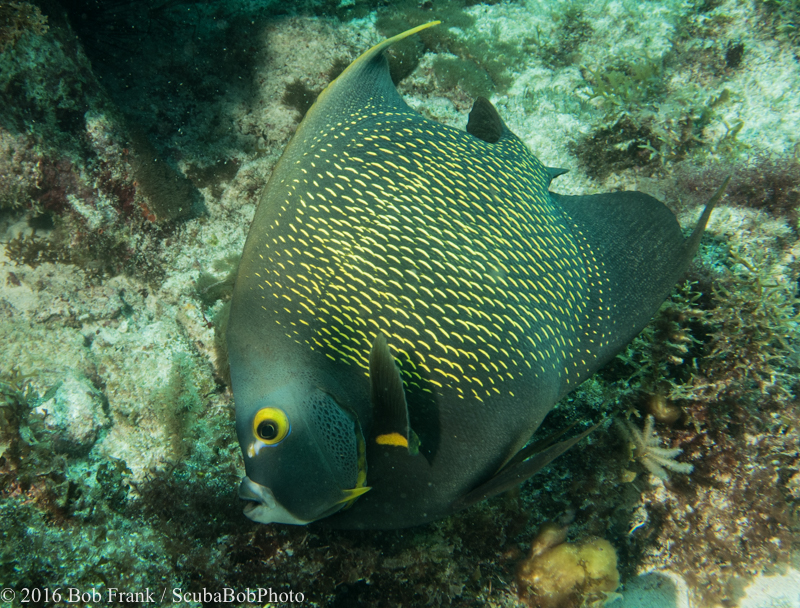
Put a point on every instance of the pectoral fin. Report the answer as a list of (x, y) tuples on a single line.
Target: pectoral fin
[(390, 411)]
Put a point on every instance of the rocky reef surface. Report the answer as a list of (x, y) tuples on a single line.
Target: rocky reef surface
[(135, 139)]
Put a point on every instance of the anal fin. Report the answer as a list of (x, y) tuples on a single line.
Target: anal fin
[(518, 471)]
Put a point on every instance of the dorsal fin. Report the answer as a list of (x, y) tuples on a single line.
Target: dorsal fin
[(554, 172), (370, 54), (365, 82), (485, 122), (693, 242), (366, 78), (639, 245)]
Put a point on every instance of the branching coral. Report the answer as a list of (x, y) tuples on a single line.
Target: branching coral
[(646, 449), (754, 349)]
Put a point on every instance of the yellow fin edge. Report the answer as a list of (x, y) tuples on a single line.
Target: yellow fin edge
[(352, 494), (390, 41), (371, 52)]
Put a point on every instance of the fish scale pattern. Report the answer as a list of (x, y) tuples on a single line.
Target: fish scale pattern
[(449, 245)]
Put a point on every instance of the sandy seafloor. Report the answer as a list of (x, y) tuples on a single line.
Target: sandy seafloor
[(134, 143)]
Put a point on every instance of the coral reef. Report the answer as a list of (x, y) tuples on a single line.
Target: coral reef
[(128, 178), (71, 158), (18, 19)]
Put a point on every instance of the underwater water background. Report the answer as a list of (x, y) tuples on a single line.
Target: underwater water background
[(135, 140)]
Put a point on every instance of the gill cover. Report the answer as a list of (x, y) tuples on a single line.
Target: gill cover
[(303, 456)]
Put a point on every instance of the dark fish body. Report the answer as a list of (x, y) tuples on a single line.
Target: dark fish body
[(412, 301)]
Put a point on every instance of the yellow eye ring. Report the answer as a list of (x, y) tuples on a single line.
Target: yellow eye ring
[(271, 426)]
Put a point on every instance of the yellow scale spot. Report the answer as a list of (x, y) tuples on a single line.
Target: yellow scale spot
[(500, 230)]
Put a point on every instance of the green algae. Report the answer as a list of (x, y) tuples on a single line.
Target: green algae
[(299, 96), (627, 87), (452, 72), (737, 340), (571, 30), (785, 17)]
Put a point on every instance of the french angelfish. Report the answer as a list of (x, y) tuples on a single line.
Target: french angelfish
[(412, 300)]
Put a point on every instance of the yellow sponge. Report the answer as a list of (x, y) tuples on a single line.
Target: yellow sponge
[(566, 575)]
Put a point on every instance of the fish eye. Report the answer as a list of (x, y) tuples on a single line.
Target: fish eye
[(271, 425)]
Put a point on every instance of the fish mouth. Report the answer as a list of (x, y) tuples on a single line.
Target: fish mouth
[(262, 507)]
